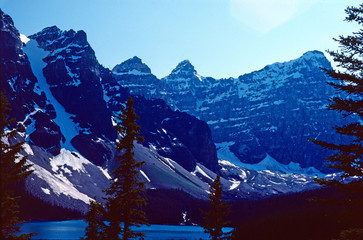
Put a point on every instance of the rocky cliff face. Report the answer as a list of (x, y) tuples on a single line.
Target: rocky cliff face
[(16, 74), (138, 77), (70, 99), (173, 134), (272, 111), (29, 106), (73, 75)]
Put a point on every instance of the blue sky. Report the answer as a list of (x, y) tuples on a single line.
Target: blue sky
[(221, 38)]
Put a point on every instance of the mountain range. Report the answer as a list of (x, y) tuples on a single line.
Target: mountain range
[(267, 113), (252, 130)]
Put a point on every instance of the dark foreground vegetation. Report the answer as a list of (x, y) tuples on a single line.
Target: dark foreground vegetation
[(295, 216), (165, 206), (35, 209)]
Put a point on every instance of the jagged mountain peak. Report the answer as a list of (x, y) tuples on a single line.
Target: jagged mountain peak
[(313, 54), (309, 61), (80, 37), (184, 70), (134, 64), (6, 23), (11, 48), (52, 38), (184, 67), (50, 33), (316, 58)]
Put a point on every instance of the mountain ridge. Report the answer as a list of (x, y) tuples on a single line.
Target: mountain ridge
[(291, 96), (50, 85)]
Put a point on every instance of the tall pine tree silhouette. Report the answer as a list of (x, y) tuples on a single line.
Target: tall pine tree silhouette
[(215, 217), (13, 170), (94, 217), (348, 157), (125, 196), (348, 82)]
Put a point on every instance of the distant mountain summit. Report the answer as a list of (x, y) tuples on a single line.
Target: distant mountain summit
[(133, 65), (184, 70)]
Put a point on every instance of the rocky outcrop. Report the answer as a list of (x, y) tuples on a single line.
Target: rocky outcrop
[(47, 134), (177, 135), (136, 73), (98, 151), (17, 79), (173, 134), (28, 105), (73, 74), (134, 65)]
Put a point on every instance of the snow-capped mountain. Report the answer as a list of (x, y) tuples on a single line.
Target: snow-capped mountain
[(81, 87), (71, 181), (66, 101), (270, 112)]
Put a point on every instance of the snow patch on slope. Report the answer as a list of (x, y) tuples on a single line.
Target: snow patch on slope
[(199, 170), (145, 176), (105, 172), (223, 152), (132, 72), (24, 38), (235, 184), (251, 183), (28, 149), (63, 119), (68, 158), (269, 163), (59, 184), (46, 190)]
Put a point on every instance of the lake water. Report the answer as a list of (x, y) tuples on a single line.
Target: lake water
[(74, 229)]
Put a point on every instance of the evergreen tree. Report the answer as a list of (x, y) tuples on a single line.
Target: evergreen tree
[(94, 217), (125, 196), (348, 82), (13, 170), (215, 217)]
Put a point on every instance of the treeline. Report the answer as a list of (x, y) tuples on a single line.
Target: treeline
[(30, 209), (165, 206), (308, 215), (294, 216)]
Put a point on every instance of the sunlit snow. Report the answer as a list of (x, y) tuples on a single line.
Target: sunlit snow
[(59, 184), (63, 119), (235, 184), (145, 176), (66, 157), (105, 172), (46, 190), (24, 38), (198, 169), (28, 149), (268, 163)]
